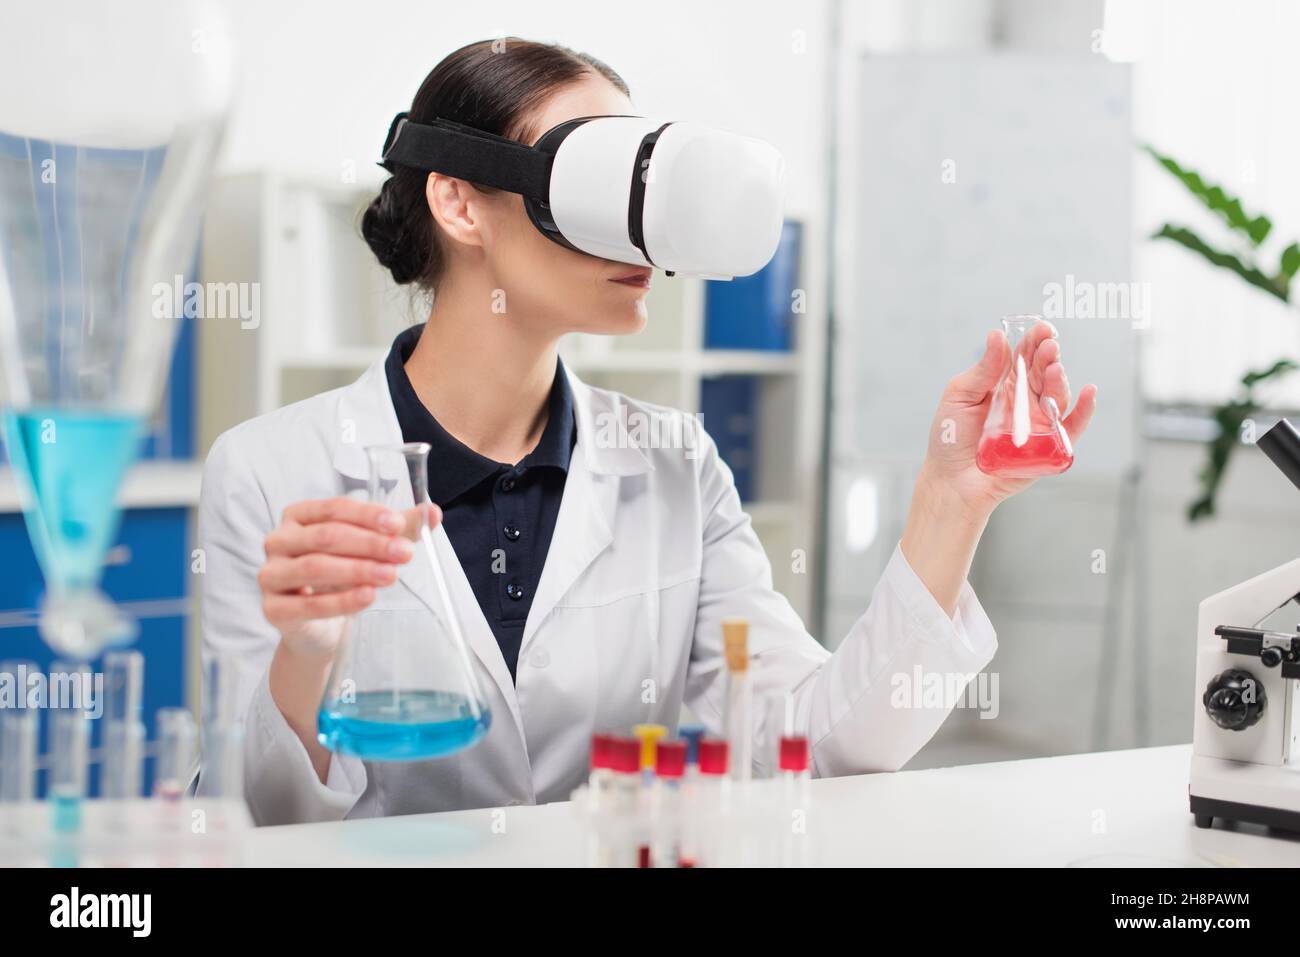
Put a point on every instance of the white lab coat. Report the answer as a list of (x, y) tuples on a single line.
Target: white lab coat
[(651, 551)]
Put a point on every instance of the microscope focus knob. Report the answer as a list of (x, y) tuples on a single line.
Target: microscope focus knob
[(1234, 700)]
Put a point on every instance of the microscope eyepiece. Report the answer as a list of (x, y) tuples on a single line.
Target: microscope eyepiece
[(1282, 445)]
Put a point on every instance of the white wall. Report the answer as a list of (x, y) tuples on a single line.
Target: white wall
[(322, 80)]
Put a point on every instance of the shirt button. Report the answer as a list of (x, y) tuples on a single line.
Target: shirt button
[(514, 591), (540, 658), (512, 532), (508, 484)]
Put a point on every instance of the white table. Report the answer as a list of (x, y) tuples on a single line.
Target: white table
[(1118, 808)]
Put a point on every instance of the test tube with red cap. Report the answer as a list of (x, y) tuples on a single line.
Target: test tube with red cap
[(794, 761), (601, 775), (707, 805), (666, 806), (624, 799)]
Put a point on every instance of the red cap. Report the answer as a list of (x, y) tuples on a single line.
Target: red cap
[(600, 751), (624, 755), (713, 756), (670, 759), (794, 754)]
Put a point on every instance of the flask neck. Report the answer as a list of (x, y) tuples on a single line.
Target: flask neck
[(1017, 326), (406, 464)]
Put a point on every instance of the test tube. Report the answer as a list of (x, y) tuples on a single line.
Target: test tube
[(222, 764), (691, 734), (794, 762), (738, 715), (175, 756), (649, 735), (625, 795), (709, 811), (69, 743), (18, 731), (666, 809), (778, 721), (124, 734)]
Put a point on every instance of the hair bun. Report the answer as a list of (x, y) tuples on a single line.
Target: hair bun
[(383, 227)]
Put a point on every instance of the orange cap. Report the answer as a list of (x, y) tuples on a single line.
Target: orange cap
[(735, 643)]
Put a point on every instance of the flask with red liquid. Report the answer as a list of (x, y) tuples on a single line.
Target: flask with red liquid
[(1023, 435)]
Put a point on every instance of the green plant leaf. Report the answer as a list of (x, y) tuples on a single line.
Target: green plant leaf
[(1226, 207), (1247, 271), (1281, 367), (1290, 261), (1230, 417)]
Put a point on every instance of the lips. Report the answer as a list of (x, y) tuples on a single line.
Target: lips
[(639, 279)]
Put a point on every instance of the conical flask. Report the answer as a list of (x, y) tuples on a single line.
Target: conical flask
[(104, 170), (1023, 436), (402, 686)]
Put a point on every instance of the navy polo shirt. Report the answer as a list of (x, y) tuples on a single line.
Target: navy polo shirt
[(499, 517)]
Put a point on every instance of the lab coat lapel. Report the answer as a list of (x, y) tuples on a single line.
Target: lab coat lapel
[(604, 453), (582, 532)]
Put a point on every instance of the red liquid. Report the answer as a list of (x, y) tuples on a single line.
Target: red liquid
[(1042, 454)]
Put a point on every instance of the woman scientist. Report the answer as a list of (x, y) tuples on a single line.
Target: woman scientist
[(622, 560)]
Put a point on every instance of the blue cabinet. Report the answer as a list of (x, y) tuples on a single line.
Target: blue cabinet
[(150, 577), (729, 405), (758, 311)]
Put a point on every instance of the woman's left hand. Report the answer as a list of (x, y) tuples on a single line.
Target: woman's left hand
[(953, 499), (959, 422)]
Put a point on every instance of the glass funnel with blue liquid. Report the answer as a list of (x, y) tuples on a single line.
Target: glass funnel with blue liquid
[(104, 169), (402, 686)]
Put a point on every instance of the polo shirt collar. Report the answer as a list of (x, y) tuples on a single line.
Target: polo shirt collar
[(455, 468)]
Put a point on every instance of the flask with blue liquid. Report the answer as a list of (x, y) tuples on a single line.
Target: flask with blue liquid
[(402, 686)]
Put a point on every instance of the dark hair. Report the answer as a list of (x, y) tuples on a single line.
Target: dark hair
[(491, 85)]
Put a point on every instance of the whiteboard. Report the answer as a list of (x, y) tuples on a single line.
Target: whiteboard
[(980, 179)]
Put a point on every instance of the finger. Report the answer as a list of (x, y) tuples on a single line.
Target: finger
[(426, 514), (1041, 336), (1046, 354), (973, 386), (337, 538), (280, 609), (1039, 333), (380, 518), (323, 571), (1057, 385), (1076, 423)]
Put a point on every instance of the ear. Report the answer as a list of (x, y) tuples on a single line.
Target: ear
[(457, 207)]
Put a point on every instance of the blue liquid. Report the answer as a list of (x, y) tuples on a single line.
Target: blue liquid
[(71, 463), (408, 726), (67, 813)]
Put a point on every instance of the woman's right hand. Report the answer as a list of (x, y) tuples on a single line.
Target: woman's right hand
[(324, 562)]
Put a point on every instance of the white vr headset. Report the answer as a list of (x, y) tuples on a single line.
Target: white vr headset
[(678, 196)]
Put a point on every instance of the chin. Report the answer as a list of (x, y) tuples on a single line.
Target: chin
[(621, 320)]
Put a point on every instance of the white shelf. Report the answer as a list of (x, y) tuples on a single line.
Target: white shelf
[(339, 357), (657, 361), (771, 513), (696, 362), (147, 485)]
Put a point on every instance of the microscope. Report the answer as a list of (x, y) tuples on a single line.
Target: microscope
[(1246, 735)]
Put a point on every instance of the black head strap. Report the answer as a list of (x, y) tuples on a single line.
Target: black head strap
[(466, 153)]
